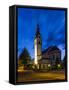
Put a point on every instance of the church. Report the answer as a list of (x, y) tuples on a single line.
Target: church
[(49, 58)]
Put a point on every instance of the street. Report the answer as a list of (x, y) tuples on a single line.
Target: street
[(37, 76)]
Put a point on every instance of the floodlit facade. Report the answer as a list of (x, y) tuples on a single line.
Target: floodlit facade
[(47, 58)]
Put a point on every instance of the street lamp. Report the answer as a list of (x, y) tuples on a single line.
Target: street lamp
[(49, 65)]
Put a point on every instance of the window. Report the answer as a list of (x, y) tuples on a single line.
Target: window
[(39, 42)]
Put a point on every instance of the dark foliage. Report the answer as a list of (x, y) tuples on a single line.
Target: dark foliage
[(25, 56), (64, 62)]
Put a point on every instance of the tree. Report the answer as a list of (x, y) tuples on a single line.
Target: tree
[(25, 56), (64, 62), (57, 64)]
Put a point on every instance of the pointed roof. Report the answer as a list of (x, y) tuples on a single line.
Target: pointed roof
[(37, 31), (51, 49)]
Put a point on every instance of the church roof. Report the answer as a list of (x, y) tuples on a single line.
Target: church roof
[(38, 30), (50, 49)]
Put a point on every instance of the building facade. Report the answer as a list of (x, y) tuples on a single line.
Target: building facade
[(47, 59), (37, 46)]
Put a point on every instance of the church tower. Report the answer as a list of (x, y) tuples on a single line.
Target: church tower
[(37, 46)]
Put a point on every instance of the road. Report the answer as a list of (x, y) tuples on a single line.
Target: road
[(37, 76)]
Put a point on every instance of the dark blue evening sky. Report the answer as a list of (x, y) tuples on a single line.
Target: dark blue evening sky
[(52, 29)]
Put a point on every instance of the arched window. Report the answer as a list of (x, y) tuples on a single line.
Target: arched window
[(39, 42)]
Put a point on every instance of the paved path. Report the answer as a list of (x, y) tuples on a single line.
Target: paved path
[(35, 76)]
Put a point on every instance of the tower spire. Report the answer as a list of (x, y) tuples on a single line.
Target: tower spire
[(37, 30), (37, 45)]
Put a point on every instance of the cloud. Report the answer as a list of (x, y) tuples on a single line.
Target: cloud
[(52, 28), (62, 48)]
